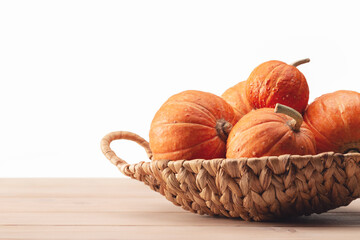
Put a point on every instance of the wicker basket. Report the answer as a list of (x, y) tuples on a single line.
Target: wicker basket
[(256, 189)]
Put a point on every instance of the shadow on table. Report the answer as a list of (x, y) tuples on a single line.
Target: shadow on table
[(329, 219), (338, 219)]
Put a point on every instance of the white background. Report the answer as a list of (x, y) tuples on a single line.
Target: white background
[(72, 71)]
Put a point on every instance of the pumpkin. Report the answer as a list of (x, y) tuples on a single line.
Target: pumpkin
[(191, 125), (236, 97), (334, 120), (277, 82), (263, 132)]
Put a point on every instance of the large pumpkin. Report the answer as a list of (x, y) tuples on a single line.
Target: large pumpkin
[(277, 82), (335, 122), (190, 125), (236, 97), (263, 132)]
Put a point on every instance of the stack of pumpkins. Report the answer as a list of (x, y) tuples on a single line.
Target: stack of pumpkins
[(266, 115)]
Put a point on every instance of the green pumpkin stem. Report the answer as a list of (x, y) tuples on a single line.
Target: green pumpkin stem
[(302, 61), (297, 120)]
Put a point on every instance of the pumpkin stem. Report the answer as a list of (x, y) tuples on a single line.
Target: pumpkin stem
[(352, 150), (302, 61), (352, 147), (295, 124), (223, 129)]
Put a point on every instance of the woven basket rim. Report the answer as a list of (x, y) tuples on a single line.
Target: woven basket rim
[(126, 135)]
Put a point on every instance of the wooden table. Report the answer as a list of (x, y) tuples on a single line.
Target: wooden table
[(107, 208)]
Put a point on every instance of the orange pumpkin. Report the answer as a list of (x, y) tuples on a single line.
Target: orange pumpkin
[(277, 82), (263, 132), (334, 120), (236, 97), (190, 125)]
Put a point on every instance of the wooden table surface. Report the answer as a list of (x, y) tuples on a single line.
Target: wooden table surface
[(116, 208)]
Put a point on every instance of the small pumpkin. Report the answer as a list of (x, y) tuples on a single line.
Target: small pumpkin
[(264, 132), (236, 97), (334, 120), (191, 125), (277, 82)]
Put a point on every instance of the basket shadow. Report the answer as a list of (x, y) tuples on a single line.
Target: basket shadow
[(329, 219)]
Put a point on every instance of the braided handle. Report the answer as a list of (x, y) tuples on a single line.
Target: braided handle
[(111, 155)]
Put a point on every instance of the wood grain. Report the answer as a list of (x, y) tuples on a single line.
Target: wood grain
[(32, 204), (74, 188), (176, 232), (127, 209)]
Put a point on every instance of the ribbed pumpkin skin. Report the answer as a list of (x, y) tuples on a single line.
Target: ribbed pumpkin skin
[(236, 97), (334, 118), (277, 82), (185, 127), (265, 133)]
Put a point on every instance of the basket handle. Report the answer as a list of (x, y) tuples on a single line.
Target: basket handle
[(111, 155)]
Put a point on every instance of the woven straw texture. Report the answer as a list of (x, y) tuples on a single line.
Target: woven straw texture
[(258, 189)]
